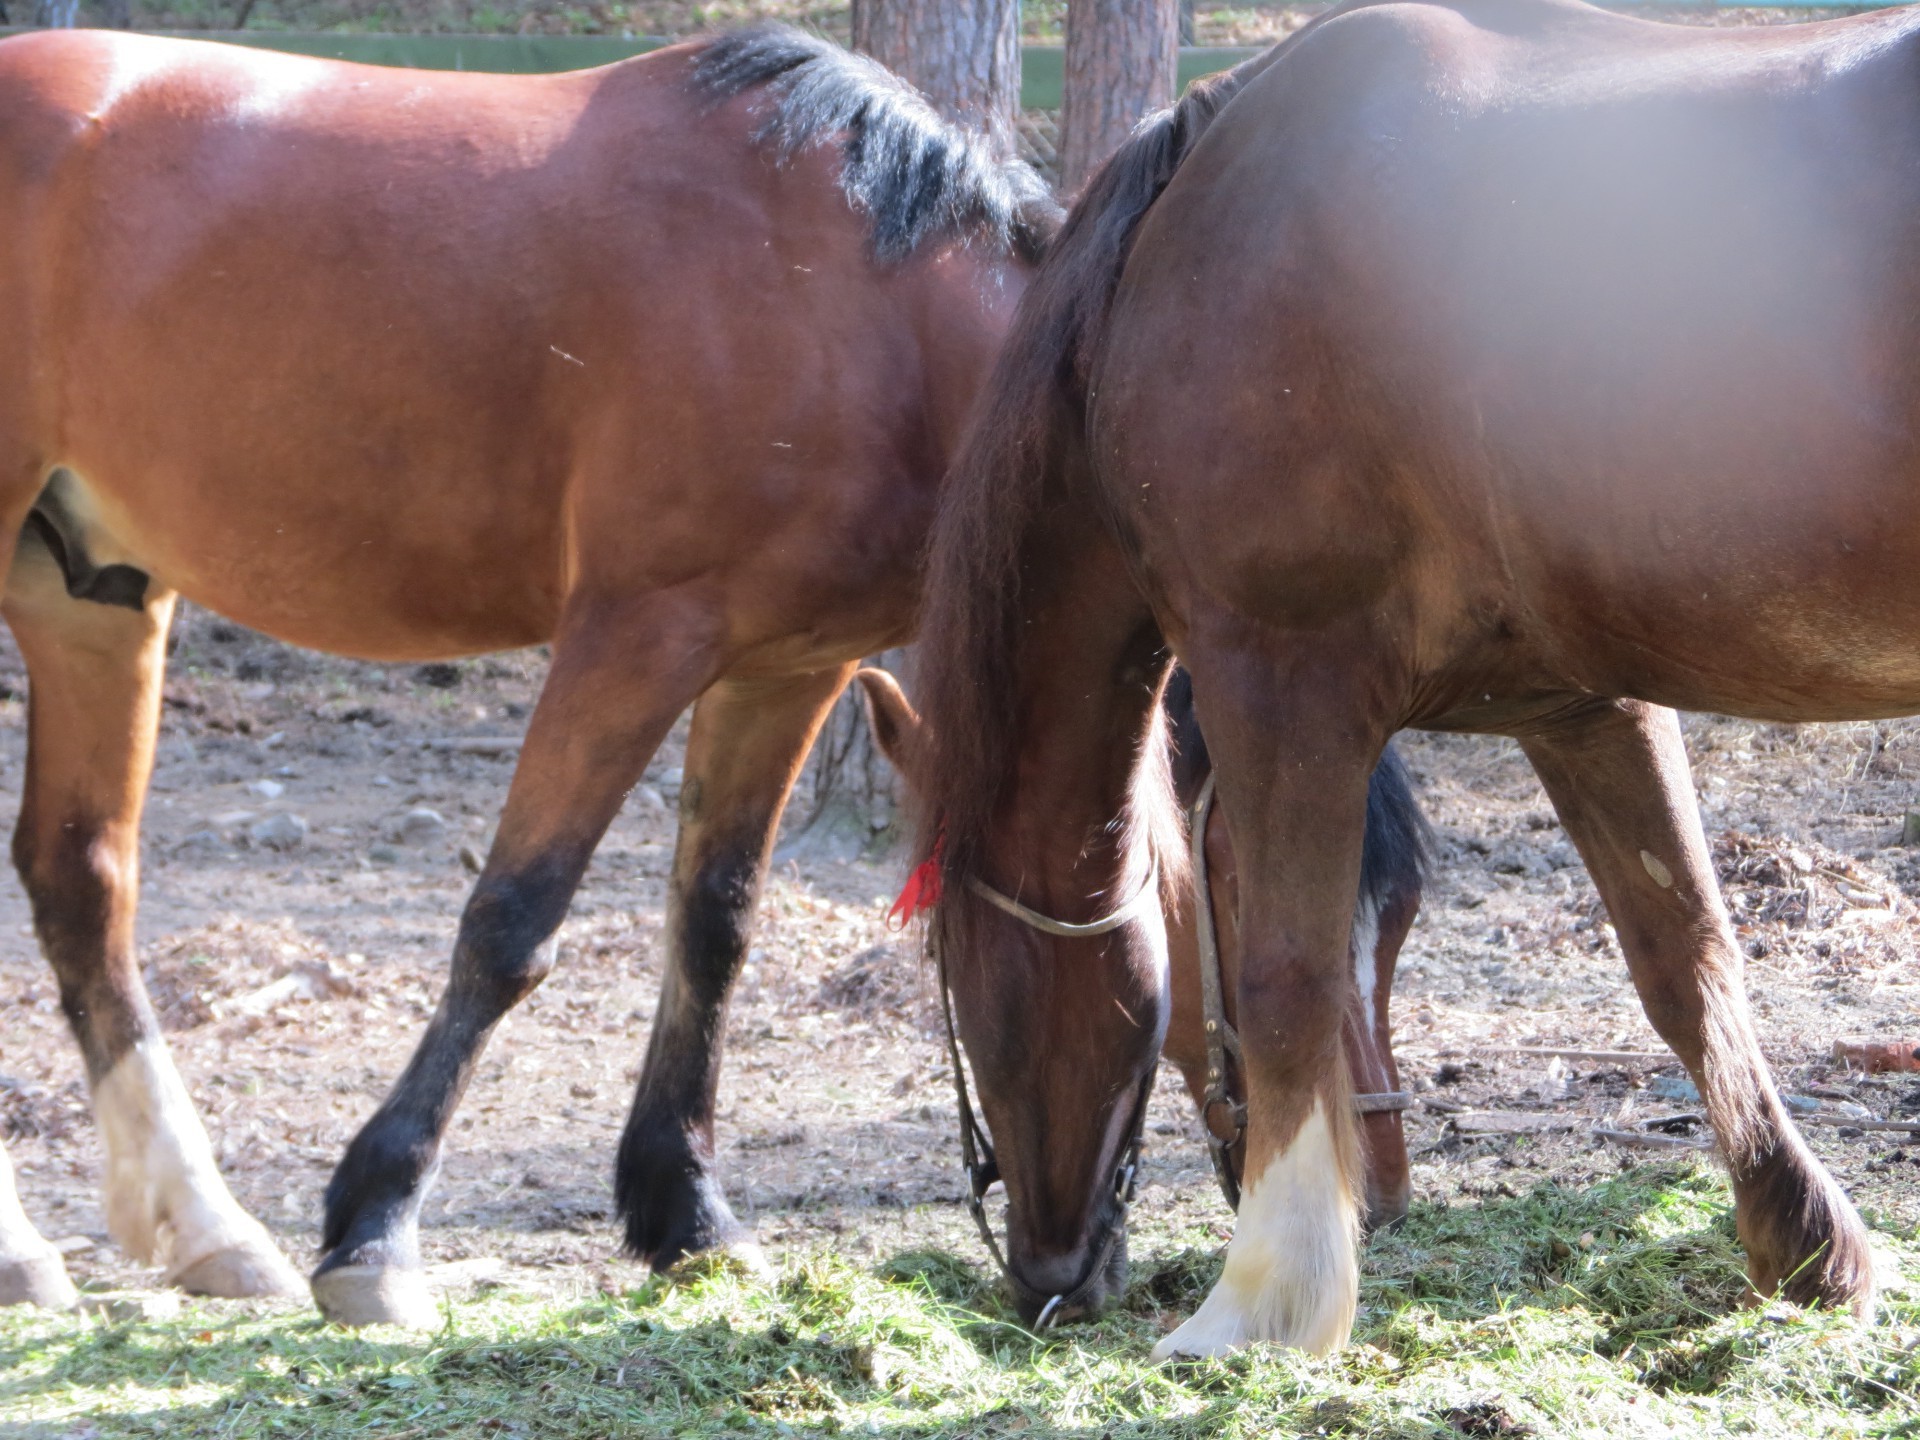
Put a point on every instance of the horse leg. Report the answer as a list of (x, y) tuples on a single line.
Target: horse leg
[(31, 1270), (1617, 774), (748, 742), (617, 683), (1379, 930), (1297, 814), (94, 673)]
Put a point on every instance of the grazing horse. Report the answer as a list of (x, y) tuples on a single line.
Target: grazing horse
[(1063, 1200), (1494, 365), (660, 363)]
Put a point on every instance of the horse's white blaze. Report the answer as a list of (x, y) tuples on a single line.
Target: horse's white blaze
[(166, 1203), (1292, 1276)]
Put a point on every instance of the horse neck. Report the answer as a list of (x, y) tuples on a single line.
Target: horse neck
[(1076, 818)]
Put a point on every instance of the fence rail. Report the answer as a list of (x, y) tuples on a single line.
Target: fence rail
[(1041, 71)]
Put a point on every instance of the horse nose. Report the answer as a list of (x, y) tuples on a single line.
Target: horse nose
[(1044, 1281)]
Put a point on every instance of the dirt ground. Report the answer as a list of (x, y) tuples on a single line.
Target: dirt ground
[(836, 1122)]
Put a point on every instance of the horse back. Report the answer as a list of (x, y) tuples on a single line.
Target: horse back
[(511, 334), (1583, 340)]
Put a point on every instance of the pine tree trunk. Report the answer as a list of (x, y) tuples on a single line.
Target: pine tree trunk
[(963, 54), (1122, 57)]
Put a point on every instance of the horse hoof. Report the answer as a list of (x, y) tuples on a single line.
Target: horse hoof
[(376, 1295), (37, 1279), (246, 1271)]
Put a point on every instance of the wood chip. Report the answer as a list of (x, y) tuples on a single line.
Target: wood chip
[(1653, 1140), (1878, 1056), (1512, 1122), (1897, 1127), (1594, 1057)]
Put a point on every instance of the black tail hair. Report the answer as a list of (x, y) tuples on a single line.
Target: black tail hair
[(915, 176), (1399, 844)]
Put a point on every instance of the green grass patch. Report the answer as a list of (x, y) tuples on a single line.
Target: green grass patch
[(1606, 1312)]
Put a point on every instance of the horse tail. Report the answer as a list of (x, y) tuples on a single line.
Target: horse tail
[(915, 176), (1019, 458)]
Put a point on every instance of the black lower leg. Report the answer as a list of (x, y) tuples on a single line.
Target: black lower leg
[(504, 950), (664, 1183)]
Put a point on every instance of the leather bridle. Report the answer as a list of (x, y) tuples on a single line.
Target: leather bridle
[(976, 1150), (1221, 1037)]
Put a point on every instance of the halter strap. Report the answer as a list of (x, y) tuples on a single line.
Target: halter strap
[(976, 1149), (1067, 929)]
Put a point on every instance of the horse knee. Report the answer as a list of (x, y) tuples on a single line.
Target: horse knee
[(1301, 1006), (74, 879), (507, 937)]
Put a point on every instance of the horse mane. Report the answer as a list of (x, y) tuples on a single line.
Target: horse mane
[(916, 177), (1022, 452)]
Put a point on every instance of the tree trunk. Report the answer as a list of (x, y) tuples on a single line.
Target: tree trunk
[(57, 14), (1122, 58), (963, 54), (1187, 30)]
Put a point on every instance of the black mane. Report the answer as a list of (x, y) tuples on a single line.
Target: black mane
[(916, 177)]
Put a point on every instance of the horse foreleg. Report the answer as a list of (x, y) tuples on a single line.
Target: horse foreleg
[(1617, 774), (748, 741), (1292, 766), (94, 673), (620, 677)]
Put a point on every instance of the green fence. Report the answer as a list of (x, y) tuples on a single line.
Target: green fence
[(1041, 69), (1040, 72)]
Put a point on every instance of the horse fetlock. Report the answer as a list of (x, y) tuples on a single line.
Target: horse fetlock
[(166, 1202), (1292, 1276), (672, 1204), (1805, 1242)]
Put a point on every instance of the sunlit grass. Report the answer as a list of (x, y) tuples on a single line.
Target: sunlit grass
[(1609, 1312)]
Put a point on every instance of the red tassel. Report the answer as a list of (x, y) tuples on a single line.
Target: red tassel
[(921, 892)]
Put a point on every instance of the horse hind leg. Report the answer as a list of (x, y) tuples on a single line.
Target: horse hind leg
[(1617, 774), (748, 741), (94, 675), (622, 673)]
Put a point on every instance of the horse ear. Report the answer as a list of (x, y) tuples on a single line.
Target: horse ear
[(895, 724)]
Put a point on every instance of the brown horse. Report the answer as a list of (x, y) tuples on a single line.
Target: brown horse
[(1495, 365), (661, 363), (1064, 1202)]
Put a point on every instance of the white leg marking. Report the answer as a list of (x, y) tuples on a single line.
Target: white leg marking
[(1291, 1276), (166, 1203), (31, 1270)]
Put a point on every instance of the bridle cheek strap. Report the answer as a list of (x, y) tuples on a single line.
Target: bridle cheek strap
[(976, 1149)]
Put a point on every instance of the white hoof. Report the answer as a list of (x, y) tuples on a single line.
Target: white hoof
[(39, 1278), (1292, 1277), (376, 1295), (251, 1269)]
